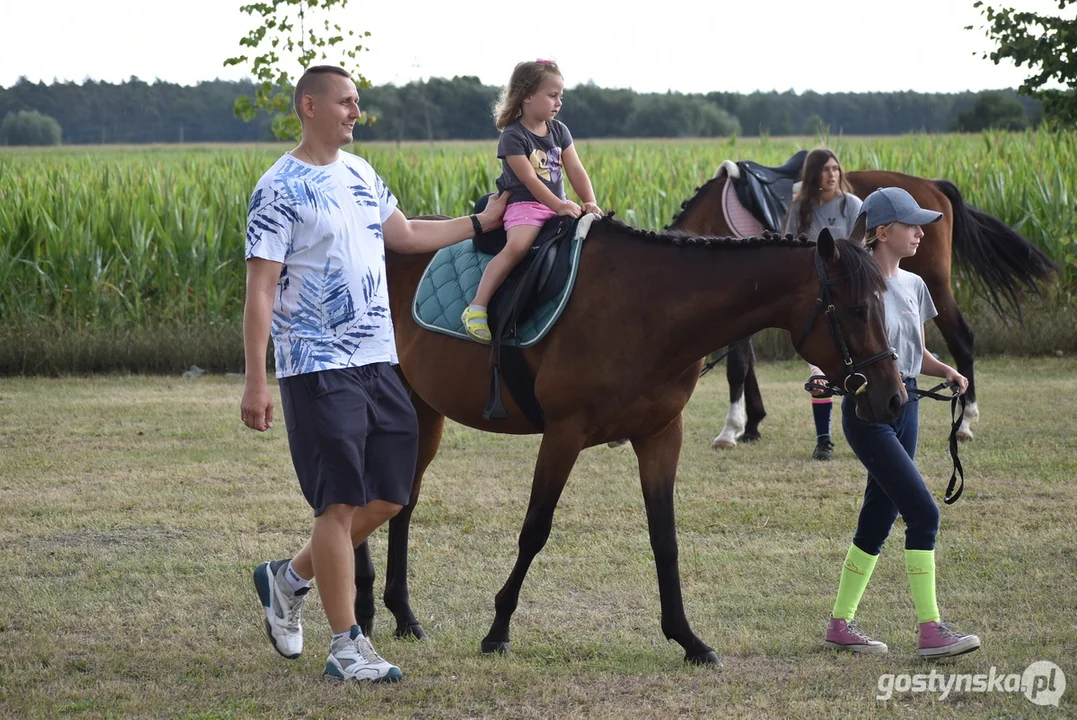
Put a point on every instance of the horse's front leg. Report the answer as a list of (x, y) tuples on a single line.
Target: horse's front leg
[(658, 456), (557, 454)]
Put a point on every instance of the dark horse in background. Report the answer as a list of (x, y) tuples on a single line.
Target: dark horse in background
[(622, 362), (1003, 266)]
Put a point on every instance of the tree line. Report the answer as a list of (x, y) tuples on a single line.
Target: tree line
[(136, 111)]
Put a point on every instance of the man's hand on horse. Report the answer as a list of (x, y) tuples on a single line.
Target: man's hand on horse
[(490, 217)]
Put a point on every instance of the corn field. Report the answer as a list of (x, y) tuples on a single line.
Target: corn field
[(113, 240)]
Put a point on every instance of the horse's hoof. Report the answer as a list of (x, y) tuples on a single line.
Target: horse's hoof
[(705, 658), (964, 435), (617, 443), (750, 437), (366, 624), (489, 647), (723, 444), (411, 631)]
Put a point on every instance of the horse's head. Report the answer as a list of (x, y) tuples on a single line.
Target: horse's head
[(845, 329)]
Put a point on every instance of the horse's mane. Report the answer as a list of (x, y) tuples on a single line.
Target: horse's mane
[(682, 238), (858, 267), (691, 202)]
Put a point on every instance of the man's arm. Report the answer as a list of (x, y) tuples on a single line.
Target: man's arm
[(418, 236), (256, 407)]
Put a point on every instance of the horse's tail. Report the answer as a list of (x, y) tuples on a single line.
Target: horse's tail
[(1004, 264)]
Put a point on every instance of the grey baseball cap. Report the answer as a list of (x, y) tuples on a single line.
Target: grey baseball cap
[(892, 204)]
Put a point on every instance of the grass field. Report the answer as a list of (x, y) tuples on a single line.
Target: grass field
[(135, 509)]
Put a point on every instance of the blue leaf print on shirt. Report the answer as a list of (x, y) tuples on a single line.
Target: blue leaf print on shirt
[(383, 191), (362, 193), (325, 324), (306, 186), (272, 215)]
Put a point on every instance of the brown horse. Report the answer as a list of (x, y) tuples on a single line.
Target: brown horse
[(1004, 266), (622, 362)]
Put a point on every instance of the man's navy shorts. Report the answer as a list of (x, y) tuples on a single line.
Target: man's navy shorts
[(353, 435)]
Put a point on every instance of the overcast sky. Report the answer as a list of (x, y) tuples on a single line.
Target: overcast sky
[(682, 45)]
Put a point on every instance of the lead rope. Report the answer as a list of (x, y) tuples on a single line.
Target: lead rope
[(956, 400)]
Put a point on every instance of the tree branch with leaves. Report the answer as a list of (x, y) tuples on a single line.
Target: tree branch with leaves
[(1047, 44), (290, 36)]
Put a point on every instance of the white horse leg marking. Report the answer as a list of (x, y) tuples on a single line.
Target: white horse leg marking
[(734, 426), (971, 415)]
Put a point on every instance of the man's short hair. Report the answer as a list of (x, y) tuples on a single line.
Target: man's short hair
[(312, 80)]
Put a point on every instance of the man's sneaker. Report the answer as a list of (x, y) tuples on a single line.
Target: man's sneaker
[(824, 450), (283, 607), (842, 635), (353, 658), (939, 640)]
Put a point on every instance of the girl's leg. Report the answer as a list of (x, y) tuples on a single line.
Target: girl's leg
[(880, 449), (841, 632), (887, 452), (821, 410), (855, 573), (518, 240)]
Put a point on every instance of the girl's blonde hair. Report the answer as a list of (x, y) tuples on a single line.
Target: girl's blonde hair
[(526, 79), (872, 236)]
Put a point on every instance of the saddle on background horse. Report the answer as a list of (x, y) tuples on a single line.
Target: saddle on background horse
[(522, 310), (766, 192)]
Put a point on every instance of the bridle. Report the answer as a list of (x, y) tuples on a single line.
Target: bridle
[(824, 303)]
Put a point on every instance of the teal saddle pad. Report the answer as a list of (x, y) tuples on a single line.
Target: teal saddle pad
[(449, 283)]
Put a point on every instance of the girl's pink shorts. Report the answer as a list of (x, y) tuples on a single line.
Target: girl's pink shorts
[(527, 213)]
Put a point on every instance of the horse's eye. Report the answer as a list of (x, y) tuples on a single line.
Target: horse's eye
[(858, 311)]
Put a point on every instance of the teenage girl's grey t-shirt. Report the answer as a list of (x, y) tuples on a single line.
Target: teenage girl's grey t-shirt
[(907, 305), (544, 154), (828, 215)]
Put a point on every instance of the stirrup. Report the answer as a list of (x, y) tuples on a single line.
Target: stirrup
[(475, 324)]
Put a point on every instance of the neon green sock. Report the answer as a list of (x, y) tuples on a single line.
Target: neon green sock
[(920, 566), (855, 573)]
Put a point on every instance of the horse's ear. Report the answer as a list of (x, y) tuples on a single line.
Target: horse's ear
[(824, 244), (860, 229)]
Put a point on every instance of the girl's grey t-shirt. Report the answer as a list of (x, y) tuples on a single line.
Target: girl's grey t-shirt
[(544, 154), (828, 215), (907, 304)]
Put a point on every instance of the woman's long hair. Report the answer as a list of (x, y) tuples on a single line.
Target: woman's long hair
[(809, 186)]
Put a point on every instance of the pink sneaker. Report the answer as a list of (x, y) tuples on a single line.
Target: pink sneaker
[(843, 635), (939, 640)]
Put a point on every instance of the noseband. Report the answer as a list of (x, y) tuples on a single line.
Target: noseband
[(824, 303)]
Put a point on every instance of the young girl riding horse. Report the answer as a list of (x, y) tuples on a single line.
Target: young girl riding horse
[(534, 149)]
